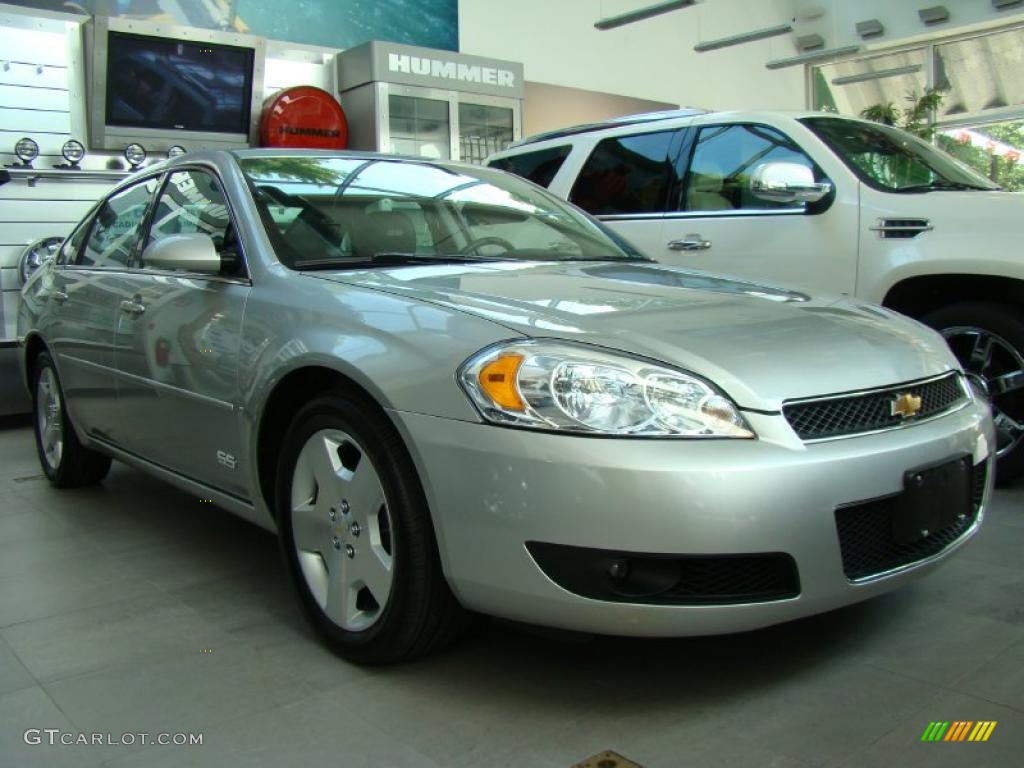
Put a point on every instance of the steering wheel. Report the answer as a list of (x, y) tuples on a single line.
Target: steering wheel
[(480, 242)]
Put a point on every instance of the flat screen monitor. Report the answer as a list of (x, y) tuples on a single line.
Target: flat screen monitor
[(171, 84), (162, 85)]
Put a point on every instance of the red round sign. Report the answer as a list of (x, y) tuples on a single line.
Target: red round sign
[(303, 117)]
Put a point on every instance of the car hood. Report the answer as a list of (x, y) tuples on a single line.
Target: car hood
[(762, 345)]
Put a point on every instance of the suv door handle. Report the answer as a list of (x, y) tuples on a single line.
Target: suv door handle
[(691, 242), (59, 296), (133, 307)]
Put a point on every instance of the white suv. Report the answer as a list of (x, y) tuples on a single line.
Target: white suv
[(816, 201)]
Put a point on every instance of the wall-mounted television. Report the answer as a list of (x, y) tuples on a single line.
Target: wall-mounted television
[(162, 85)]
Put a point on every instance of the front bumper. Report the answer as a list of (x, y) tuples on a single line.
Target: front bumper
[(492, 490)]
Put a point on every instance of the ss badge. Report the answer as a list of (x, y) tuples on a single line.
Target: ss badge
[(226, 459)]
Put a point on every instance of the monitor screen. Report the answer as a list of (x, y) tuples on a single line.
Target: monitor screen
[(155, 82)]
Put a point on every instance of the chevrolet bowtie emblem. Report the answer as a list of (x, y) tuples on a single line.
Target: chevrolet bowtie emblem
[(905, 405)]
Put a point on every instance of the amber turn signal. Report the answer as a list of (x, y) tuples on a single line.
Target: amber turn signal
[(498, 382)]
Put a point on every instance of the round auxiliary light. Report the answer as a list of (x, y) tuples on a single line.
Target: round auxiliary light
[(135, 154), (27, 150), (73, 152), (35, 254), (176, 151)]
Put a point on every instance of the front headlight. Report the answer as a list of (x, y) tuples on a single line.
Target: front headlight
[(574, 388)]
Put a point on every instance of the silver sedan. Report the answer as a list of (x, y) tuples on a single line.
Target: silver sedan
[(448, 391)]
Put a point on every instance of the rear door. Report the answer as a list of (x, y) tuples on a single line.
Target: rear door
[(716, 223), (178, 337), (87, 290), (626, 182)]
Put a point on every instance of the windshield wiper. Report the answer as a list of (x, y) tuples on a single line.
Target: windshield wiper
[(944, 185)]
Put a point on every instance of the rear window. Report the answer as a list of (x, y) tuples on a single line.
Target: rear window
[(539, 167), (627, 174)]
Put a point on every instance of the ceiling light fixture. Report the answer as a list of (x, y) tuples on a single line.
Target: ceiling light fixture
[(642, 13), (936, 14), (870, 28), (877, 75), (813, 56), (743, 37)]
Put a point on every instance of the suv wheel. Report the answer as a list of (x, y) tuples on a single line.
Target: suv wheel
[(988, 339), (64, 459), (357, 535)]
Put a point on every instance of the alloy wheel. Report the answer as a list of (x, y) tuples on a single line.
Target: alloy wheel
[(995, 365), (50, 418)]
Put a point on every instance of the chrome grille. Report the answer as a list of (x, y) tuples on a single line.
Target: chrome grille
[(871, 411)]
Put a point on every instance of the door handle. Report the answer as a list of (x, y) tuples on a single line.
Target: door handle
[(691, 242), (133, 307), (59, 296)]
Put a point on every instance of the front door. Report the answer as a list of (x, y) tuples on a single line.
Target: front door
[(178, 341), (715, 223)]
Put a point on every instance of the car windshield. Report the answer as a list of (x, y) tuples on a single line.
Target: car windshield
[(330, 212), (893, 160)]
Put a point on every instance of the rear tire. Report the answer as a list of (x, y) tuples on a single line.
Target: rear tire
[(357, 536), (988, 339), (64, 459)]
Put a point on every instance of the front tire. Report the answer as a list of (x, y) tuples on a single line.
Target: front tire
[(988, 340), (64, 459), (357, 537)]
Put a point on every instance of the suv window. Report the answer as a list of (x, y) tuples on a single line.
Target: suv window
[(724, 159), (69, 249), (627, 174), (539, 166), (192, 202), (115, 228)]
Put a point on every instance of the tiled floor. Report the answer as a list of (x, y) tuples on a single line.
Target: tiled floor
[(132, 608)]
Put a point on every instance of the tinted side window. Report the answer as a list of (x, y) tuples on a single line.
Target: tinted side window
[(115, 229), (627, 174), (724, 159), (539, 167)]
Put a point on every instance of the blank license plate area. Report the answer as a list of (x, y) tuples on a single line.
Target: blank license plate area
[(932, 499)]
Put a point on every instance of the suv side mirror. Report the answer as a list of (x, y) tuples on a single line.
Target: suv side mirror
[(193, 252), (787, 183)]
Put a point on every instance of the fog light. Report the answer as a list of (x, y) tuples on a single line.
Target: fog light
[(26, 150), (175, 151), (135, 154), (73, 152)]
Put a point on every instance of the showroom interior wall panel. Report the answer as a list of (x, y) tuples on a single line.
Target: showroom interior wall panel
[(652, 59)]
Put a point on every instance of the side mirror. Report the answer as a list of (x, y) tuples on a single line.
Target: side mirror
[(787, 183), (194, 252), (35, 254)]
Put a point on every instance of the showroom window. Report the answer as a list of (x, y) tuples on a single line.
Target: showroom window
[(539, 167), (420, 127), (115, 230), (724, 159), (980, 117), (627, 174)]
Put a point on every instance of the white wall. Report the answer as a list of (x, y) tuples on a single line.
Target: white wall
[(838, 24), (652, 59)]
